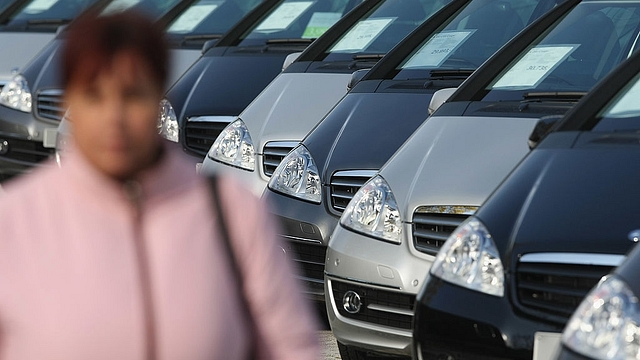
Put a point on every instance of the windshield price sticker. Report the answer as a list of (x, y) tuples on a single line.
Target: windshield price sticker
[(192, 18), (39, 6), (363, 34), (119, 5), (627, 105), (439, 48), (319, 23), (535, 66), (284, 16)]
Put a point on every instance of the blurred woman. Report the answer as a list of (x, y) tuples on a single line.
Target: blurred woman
[(119, 254)]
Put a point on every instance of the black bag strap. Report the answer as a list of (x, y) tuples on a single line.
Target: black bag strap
[(235, 266)]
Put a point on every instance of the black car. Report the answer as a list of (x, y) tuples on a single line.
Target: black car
[(233, 71), (565, 217), (190, 24), (367, 126)]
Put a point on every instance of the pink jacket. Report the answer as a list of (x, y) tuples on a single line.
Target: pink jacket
[(87, 272)]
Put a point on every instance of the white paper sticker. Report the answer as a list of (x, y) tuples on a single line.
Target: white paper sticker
[(319, 23), (284, 15), (39, 6), (119, 5), (535, 66), (192, 18), (628, 104), (361, 35), (438, 49)]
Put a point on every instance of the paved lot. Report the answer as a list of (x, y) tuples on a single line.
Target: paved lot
[(329, 346)]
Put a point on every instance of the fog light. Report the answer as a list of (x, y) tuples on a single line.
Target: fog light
[(4, 147), (351, 302)]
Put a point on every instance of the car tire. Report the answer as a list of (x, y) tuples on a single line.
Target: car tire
[(349, 353)]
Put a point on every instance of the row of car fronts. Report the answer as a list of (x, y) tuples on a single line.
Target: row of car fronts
[(452, 177)]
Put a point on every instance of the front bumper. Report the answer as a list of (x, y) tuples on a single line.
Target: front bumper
[(386, 277), (21, 136), (305, 228), (457, 323)]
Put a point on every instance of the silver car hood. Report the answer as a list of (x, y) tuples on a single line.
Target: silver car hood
[(456, 160), (20, 48), (292, 105)]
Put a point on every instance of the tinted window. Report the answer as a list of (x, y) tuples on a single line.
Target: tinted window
[(623, 113), (383, 27), (211, 16), (154, 8), (298, 19), (574, 54), (469, 38)]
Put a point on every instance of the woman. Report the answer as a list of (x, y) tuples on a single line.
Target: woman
[(118, 255)]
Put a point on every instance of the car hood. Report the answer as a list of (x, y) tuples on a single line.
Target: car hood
[(226, 84), (180, 60), (20, 48), (581, 199), (292, 105), (366, 130), (456, 160)]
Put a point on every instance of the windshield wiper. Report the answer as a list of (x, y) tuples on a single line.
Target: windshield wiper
[(295, 42), (441, 74), (571, 96), (193, 38), (365, 57), (48, 22)]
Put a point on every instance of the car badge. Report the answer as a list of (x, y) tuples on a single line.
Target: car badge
[(634, 235)]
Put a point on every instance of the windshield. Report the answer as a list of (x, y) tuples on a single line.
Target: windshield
[(4, 4), (572, 55), (382, 28), (466, 40), (297, 20), (623, 113), (154, 8), (58, 11), (210, 17)]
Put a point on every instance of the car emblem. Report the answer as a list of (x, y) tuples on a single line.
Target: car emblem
[(634, 235)]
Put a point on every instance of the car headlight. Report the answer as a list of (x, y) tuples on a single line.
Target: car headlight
[(297, 175), (606, 325), (168, 122), (469, 258), (16, 94), (374, 212), (234, 147)]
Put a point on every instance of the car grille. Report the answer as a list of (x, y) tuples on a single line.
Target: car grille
[(380, 307), (554, 290), (345, 184), (200, 134), (273, 153), (49, 104), (432, 225), (26, 151), (310, 259)]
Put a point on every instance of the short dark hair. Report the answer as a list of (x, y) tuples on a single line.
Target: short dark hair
[(93, 40)]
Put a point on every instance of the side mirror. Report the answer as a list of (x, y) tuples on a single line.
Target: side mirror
[(208, 45), (356, 77), (542, 128), (439, 98), (290, 59)]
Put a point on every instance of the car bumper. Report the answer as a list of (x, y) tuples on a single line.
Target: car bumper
[(457, 323), (21, 136), (566, 354), (305, 228), (386, 277), (254, 180)]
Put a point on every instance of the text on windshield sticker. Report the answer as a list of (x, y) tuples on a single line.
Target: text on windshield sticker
[(535, 66), (363, 34), (319, 23), (284, 16), (438, 49), (192, 18)]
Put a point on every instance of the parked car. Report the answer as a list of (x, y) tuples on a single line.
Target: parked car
[(365, 128), (559, 222), (189, 25), (230, 74), (273, 123), (389, 233)]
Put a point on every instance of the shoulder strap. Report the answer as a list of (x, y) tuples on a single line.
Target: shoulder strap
[(235, 265)]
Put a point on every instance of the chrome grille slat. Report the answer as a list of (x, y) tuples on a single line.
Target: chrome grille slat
[(49, 104), (431, 230), (273, 153), (345, 184), (200, 134), (554, 290)]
